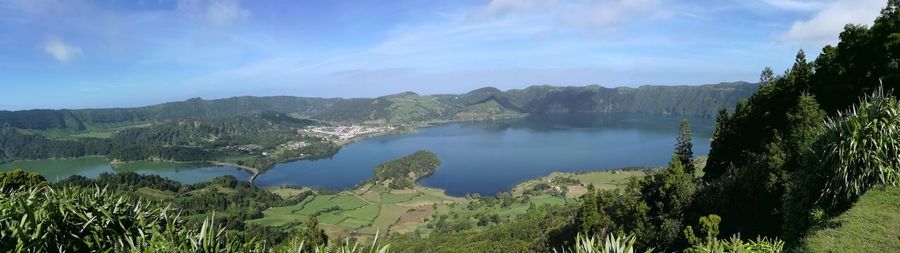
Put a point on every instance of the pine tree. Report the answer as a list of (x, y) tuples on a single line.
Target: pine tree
[(314, 236), (589, 218), (684, 148)]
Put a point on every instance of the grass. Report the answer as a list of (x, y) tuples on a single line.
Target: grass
[(391, 198), (286, 193), (156, 194), (319, 203), (360, 212), (600, 179), (96, 134), (347, 202), (871, 225), (388, 216), (366, 213)]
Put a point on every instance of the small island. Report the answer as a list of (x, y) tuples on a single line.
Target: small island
[(402, 173)]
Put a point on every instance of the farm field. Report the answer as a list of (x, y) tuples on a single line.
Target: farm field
[(361, 212), (372, 208), (575, 184)]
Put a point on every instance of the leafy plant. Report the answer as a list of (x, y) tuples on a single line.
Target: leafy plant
[(709, 226), (612, 244), (45, 219), (860, 149)]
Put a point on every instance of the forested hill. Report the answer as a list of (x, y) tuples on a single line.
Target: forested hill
[(703, 100)]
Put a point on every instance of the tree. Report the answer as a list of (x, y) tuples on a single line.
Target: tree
[(684, 148), (18, 179), (310, 238), (590, 222), (668, 193), (767, 76)]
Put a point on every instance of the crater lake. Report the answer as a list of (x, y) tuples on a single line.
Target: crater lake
[(484, 157)]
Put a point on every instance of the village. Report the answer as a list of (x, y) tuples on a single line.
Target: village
[(347, 132)]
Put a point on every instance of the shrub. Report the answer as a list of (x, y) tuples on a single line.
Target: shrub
[(709, 243), (612, 244), (44, 219), (860, 149), (18, 179)]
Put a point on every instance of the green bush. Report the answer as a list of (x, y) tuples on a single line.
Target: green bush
[(78, 219), (709, 243), (612, 244), (45, 219), (860, 149), (19, 179)]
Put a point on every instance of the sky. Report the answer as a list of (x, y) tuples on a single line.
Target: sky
[(123, 53)]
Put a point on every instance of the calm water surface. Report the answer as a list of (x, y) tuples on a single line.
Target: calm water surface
[(55, 170), (491, 157), (482, 157)]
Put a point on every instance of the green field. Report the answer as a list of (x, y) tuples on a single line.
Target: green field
[(872, 225), (607, 180), (363, 211)]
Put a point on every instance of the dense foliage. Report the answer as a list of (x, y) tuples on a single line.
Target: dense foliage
[(45, 219), (612, 244), (708, 242), (776, 167), (19, 179), (539, 230), (256, 137), (403, 172), (93, 219), (232, 201), (403, 107)]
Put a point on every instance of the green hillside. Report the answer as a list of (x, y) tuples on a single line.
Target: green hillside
[(702, 100), (872, 225)]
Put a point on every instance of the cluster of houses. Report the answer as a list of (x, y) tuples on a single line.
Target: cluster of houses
[(294, 145), (348, 132)]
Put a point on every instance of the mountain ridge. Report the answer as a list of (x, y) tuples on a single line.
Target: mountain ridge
[(699, 100)]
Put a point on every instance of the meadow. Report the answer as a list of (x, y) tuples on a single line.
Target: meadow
[(369, 209), (361, 212)]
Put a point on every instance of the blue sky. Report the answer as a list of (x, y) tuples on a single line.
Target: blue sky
[(108, 53)]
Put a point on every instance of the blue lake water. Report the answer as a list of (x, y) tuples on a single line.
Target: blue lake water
[(492, 156), (484, 157)]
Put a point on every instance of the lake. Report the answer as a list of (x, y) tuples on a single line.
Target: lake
[(478, 157), (492, 156), (58, 169)]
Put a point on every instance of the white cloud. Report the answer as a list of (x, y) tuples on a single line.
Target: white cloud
[(503, 7), (216, 12), (61, 51), (798, 5), (584, 14), (226, 12), (607, 13), (826, 25)]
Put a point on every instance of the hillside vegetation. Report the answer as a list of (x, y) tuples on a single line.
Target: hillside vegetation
[(255, 141), (403, 173), (486, 103)]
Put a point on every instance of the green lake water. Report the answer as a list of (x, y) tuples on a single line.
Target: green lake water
[(58, 169)]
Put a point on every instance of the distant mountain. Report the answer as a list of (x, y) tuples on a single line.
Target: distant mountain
[(702, 100)]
